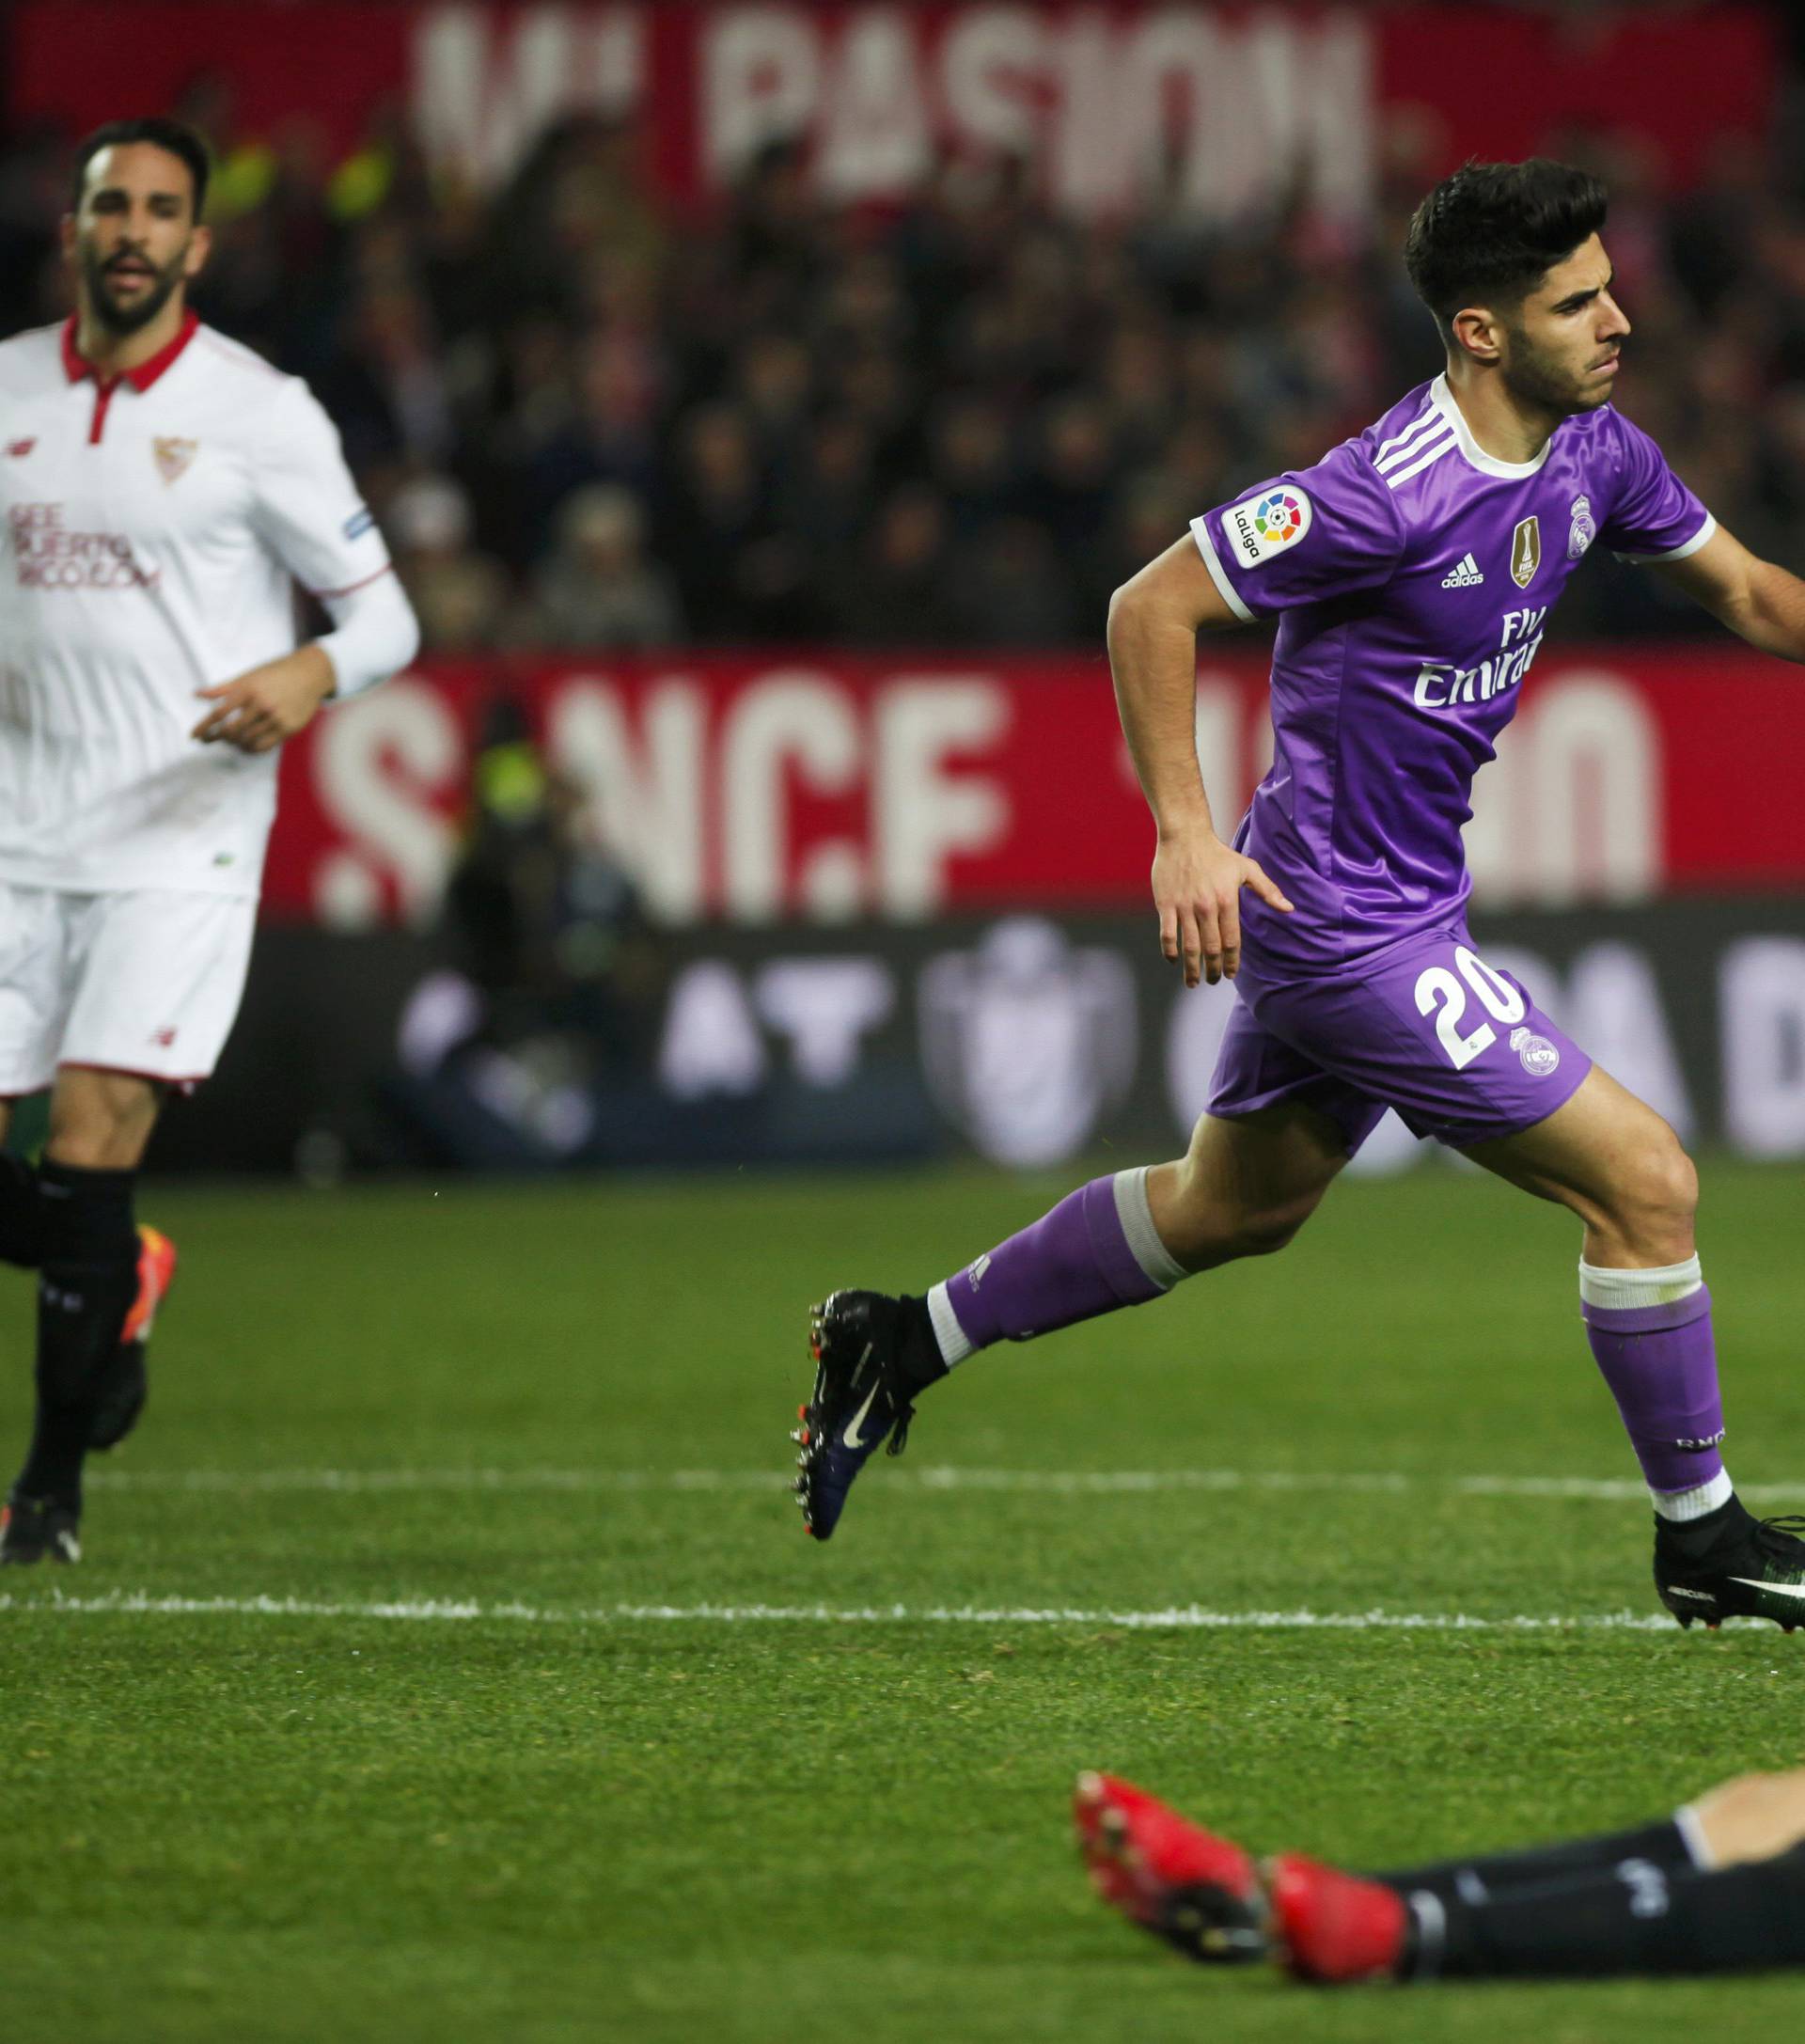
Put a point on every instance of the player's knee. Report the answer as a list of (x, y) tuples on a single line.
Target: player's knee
[(100, 1131), (1660, 1188)]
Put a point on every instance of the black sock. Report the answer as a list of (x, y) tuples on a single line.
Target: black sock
[(1661, 1845), (918, 1354), (1635, 1918), (87, 1284), (22, 1213), (1692, 1539)]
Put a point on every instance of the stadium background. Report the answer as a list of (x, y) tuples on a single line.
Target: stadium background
[(762, 402)]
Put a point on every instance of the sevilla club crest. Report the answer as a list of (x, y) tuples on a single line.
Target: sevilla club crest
[(173, 457), (1526, 551)]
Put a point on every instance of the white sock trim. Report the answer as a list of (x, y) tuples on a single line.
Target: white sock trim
[(1135, 1214), (1660, 1286), (1694, 1504), (954, 1344), (1431, 1915), (1685, 1821)]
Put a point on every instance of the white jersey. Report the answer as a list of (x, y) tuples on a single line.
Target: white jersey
[(153, 529)]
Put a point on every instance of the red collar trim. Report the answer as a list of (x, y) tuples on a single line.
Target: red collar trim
[(76, 366)]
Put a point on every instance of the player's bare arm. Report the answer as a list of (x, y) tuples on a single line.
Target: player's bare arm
[(1154, 621), (260, 709), (1757, 599)]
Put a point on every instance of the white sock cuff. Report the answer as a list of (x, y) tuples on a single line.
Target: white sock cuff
[(1682, 1505), (1685, 1821), (1135, 1214), (953, 1340), (1431, 1916), (1660, 1286)]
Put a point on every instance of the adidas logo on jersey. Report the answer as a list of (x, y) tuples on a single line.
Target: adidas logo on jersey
[(1466, 575)]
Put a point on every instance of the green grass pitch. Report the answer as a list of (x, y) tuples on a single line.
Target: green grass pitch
[(470, 1772)]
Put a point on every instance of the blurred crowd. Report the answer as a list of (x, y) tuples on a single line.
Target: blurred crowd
[(584, 423)]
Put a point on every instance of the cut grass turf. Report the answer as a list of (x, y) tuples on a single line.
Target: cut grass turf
[(543, 1818)]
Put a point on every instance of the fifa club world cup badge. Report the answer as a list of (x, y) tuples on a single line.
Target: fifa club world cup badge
[(1526, 550), (1539, 1056), (1582, 533), (173, 456)]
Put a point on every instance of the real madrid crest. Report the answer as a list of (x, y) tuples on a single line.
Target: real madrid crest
[(173, 456), (1582, 533), (1526, 550)]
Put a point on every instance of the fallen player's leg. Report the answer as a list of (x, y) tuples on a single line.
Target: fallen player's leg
[(1720, 1887)]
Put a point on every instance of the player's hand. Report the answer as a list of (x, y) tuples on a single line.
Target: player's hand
[(259, 710), (1196, 888)]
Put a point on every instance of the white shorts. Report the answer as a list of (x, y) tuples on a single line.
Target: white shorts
[(147, 982)]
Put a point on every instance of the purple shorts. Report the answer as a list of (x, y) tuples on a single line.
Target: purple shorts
[(1425, 1025)]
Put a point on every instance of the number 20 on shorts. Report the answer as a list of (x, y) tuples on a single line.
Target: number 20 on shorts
[(1440, 992)]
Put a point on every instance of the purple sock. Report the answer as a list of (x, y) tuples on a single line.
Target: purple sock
[(1096, 1250), (1661, 1364)]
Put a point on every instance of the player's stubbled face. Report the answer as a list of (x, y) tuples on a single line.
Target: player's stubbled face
[(133, 233), (1561, 346)]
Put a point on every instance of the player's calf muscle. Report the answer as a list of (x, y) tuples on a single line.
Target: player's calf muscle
[(1203, 1228), (1235, 1196)]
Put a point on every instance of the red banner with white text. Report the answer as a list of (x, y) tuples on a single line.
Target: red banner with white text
[(1218, 110), (824, 787)]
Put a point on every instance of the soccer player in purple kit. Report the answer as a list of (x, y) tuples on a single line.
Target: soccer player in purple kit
[(1412, 571)]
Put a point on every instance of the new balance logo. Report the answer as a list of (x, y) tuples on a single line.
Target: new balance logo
[(1464, 576)]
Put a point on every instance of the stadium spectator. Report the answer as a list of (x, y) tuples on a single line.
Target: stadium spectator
[(459, 594), (598, 587), (898, 593)]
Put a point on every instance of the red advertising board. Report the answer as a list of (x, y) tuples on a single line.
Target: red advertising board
[(1110, 98), (822, 786)]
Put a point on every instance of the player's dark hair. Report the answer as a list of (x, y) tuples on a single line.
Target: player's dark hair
[(174, 135), (1490, 233)]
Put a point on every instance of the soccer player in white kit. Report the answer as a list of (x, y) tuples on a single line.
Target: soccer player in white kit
[(163, 491)]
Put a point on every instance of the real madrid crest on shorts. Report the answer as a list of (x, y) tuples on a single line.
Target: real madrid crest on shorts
[(1539, 1056), (1526, 550), (1582, 533), (173, 456)]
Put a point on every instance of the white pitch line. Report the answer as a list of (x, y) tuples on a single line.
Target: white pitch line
[(1055, 1482), (1176, 1618)]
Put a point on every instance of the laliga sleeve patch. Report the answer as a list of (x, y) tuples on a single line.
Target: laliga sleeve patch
[(1272, 523)]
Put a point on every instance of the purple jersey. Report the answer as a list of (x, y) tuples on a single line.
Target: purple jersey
[(1415, 574)]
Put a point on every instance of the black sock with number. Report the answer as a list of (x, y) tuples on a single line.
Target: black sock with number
[(1632, 1918), (88, 1281), (22, 1213)]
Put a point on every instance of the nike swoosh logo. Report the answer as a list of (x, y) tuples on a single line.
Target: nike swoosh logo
[(852, 1436), (1778, 1589)]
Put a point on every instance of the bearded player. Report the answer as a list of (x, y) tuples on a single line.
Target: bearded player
[(161, 492), (1412, 571)]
